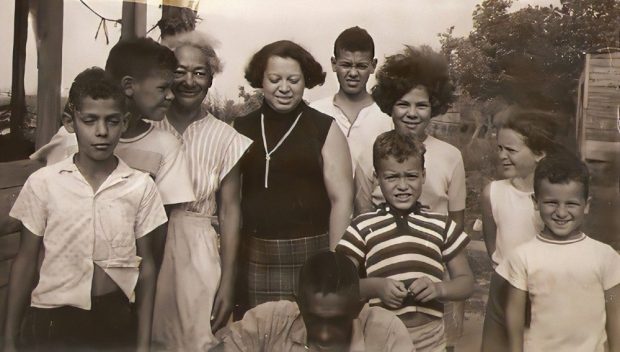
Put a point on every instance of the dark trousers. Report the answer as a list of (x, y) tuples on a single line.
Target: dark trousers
[(110, 325)]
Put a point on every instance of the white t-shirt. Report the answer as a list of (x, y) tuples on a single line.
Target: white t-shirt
[(155, 152), (361, 134), (565, 281), (444, 186), (515, 218), (82, 228)]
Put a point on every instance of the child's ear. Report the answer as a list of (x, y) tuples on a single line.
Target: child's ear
[(533, 197), (67, 121), (373, 64), (333, 61), (125, 121), (127, 84), (587, 208), (539, 156)]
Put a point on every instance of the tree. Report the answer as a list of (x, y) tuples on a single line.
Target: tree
[(534, 56)]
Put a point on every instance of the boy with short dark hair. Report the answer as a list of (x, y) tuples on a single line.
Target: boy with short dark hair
[(353, 108), (93, 216), (404, 249), (572, 280), (144, 70)]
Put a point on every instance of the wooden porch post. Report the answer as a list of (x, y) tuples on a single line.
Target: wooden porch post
[(18, 95), (134, 20), (48, 24)]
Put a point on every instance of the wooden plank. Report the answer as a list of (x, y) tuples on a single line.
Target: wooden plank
[(7, 199), (606, 62), (604, 70), (15, 173), (9, 245), (601, 135), (604, 125)]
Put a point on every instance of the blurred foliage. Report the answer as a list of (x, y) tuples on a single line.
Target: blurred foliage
[(227, 109), (532, 57)]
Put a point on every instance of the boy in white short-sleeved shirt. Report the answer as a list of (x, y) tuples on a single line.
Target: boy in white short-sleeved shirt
[(93, 215), (572, 280)]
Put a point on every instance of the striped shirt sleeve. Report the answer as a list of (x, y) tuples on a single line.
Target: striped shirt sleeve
[(353, 245), (235, 150), (454, 242)]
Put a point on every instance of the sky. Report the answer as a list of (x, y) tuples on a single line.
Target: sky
[(244, 26)]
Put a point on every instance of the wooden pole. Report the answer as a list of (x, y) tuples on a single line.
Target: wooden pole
[(18, 95), (134, 20), (48, 23)]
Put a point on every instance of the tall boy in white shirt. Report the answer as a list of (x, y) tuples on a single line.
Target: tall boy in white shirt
[(353, 108), (572, 280), (94, 217)]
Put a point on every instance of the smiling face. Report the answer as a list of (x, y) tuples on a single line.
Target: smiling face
[(516, 159), (411, 113), (98, 125), (152, 95), (283, 84), (562, 207), (353, 68), (192, 79), (401, 183), (329, 320)]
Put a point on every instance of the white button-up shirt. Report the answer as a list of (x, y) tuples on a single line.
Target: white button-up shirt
[(81, 228)]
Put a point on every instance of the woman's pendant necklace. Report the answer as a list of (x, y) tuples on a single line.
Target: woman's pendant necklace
[(267, 152)]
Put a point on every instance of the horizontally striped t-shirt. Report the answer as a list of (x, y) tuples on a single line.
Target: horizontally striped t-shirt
[(403, 248)]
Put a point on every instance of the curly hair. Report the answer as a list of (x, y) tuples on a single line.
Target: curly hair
[(200, 41), (415, 66), (397, 145), (562, 167), (538, 129), (95, 83), (354, 39), (138, 58), (311, 69)]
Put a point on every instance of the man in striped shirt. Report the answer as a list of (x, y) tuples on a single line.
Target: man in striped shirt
[(403, 250)]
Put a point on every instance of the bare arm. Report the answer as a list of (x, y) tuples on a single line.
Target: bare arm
[(489, 228), (459, 218), (612, 310), (338, 182), (159, 239), (363, 191), (21, 281), (145, 290), (515, 318), (229, 218)]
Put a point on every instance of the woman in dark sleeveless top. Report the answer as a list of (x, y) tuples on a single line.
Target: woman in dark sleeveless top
[(296, 191)]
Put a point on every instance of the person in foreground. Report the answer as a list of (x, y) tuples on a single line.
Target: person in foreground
[(94, 217), (572, 280), (404, 249), (329, 315)]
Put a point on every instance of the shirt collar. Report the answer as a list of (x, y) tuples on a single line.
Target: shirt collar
[(299, 334), (122, 170), (385, 208)]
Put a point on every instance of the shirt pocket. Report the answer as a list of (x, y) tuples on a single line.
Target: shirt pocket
[(123, 246)]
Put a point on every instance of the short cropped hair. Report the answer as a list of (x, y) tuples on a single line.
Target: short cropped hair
[(538, 128), (139, 58), (311, 69), (561, 167), (328, 272), (354, 39), (415, 66), (397, 145), (200, 41), (95, 83)]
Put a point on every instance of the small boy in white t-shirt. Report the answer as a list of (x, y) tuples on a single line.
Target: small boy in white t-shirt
[(94, 217), (572, 280)]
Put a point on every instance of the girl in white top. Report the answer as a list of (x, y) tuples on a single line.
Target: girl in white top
[(191, 300), (508, 214)]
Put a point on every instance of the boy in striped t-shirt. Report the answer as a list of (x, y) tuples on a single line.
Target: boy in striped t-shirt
[(404, 250)]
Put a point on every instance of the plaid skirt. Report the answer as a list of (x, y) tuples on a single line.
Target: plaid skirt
[(273, 266)]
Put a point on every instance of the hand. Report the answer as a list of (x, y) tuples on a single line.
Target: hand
[(392, 293), (222, 307), (424, 289)]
